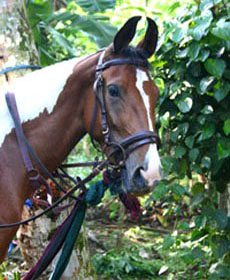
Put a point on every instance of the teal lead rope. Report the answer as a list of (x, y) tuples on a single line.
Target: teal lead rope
[(67, 234), (92, 197)]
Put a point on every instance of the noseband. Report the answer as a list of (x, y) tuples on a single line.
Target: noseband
[(127, 145)]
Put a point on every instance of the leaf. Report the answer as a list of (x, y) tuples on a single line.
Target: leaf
[(189, 141), (193, 154), (200, 221), (183, 128), (179, 151), (168, 242), (206, 162), (194, 50), (202, 23), (223, 148), (184, 105), (215, 67), (95, 6), (222, 31), (205, 83), (179, 33), (223, 91), (101, 33), (61, 40), (178, 189), (207, 110), (226, 127), (160, 191), (163, 269), (207, 131), (183, 225), (207, 4), (203, 55), (198, 253), (197, 199), (223, 247), (197, 188), (221, 219)]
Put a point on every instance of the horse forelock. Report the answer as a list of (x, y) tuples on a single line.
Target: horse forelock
[(35, 92)]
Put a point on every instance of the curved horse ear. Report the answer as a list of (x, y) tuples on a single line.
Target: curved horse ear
[(125, 35), (149, 43)]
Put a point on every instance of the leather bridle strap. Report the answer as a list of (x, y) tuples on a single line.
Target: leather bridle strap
[(121, 61), (132, 142)]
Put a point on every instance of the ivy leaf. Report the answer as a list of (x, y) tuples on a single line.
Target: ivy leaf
[(222, 31), (207, 110), (203, 55), (215, 67), (95, 6), (222, 92), (179, 151), (221, 218), (207, 131), (189, 141), (223, 148), (184, 105), (179, 33), (223, 247), (205, 83), (206, 162), (193, 154), (194, 50), (226, 127)]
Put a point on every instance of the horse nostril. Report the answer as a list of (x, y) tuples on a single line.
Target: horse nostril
[(138, 179)]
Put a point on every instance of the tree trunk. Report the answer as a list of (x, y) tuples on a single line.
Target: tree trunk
[(224, 200)]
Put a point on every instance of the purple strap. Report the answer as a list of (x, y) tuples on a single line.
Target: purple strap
[(35, 178)]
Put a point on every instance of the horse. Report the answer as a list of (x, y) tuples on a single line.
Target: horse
[(56, 106)]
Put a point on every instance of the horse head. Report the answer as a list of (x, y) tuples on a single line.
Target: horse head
[(127, 96)]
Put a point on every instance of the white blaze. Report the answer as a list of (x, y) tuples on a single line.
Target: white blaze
[(35, 92), (152, 159)]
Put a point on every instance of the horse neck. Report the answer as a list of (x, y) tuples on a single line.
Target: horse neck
[(57, 133)]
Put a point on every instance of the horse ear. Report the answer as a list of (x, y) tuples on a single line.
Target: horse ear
[(125, 35), (149, 43)]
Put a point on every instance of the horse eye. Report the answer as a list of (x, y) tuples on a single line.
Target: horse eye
[(114, 90)]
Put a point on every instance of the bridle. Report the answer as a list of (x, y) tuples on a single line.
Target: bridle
[(126, 146)]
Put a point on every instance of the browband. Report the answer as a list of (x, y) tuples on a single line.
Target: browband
[(121, 61)]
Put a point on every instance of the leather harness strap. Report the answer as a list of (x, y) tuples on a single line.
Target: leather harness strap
[(35, 178)]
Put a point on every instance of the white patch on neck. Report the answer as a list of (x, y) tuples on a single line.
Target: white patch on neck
[(152, 159), (35, 92)]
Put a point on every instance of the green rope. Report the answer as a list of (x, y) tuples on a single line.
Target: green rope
[(92, 197)]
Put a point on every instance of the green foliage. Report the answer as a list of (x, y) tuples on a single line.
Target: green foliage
[(194, 114), (126, 264), (58, 34)]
